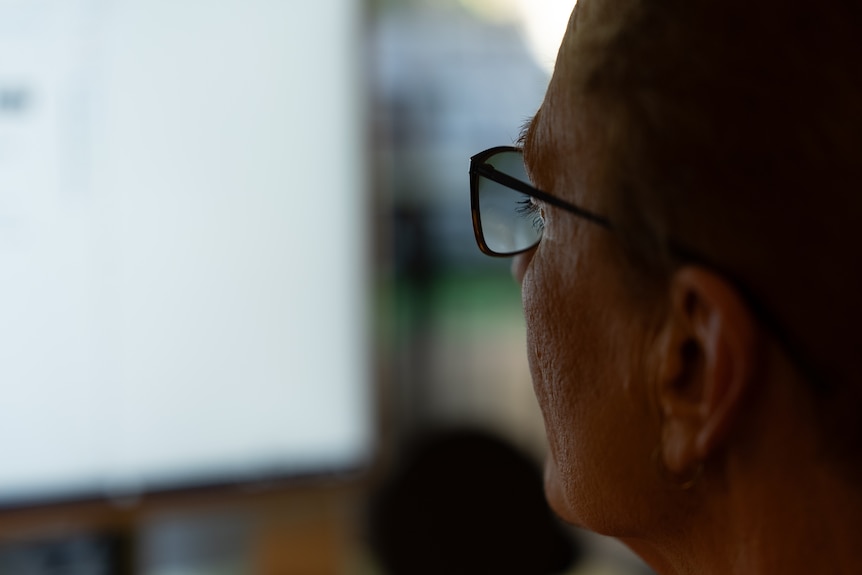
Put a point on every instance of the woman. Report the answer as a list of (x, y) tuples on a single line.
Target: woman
[(687, 251)]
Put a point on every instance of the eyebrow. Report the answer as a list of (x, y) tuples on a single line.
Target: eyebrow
[(529, 145), (526, 140), (524, 135)]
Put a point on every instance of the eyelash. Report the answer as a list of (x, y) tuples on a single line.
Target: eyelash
[(530, 208)]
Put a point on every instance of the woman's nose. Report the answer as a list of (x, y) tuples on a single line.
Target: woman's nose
[(521, 262)]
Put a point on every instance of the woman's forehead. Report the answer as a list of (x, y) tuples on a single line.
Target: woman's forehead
[(591, 27)]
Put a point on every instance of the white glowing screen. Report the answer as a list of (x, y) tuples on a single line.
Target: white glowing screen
[(182, 263)]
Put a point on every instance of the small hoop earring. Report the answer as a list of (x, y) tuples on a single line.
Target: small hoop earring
[(681, 481)]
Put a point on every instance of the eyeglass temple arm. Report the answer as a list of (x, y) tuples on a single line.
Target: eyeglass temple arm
[(492, 173)]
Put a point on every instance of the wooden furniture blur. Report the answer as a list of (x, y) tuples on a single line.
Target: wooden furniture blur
[(301, 529)]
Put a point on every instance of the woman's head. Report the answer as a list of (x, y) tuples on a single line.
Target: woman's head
[(719, 313)]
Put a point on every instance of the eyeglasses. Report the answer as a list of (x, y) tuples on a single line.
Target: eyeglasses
[(508, 220), (506, 208)]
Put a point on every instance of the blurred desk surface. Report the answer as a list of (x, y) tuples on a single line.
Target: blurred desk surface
[(306, 529)]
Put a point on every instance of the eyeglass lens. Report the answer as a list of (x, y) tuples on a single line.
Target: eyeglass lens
[(510, 220)]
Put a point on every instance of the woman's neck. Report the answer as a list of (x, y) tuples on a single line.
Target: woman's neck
[(808, 523)]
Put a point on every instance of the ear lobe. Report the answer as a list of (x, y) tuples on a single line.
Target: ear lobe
[(708, 364)]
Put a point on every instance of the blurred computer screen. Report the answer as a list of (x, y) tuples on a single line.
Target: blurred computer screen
[(183, 263)]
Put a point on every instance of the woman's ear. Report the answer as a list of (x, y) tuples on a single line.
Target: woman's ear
[(707, 366)]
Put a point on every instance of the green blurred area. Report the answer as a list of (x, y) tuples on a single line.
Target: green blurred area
[(450, 298)]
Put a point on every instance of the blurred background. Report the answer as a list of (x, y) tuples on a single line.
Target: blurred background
[(244, 325)]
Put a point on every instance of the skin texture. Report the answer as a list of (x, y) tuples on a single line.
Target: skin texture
[(586, 339), (581, 374), (675, 421)]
